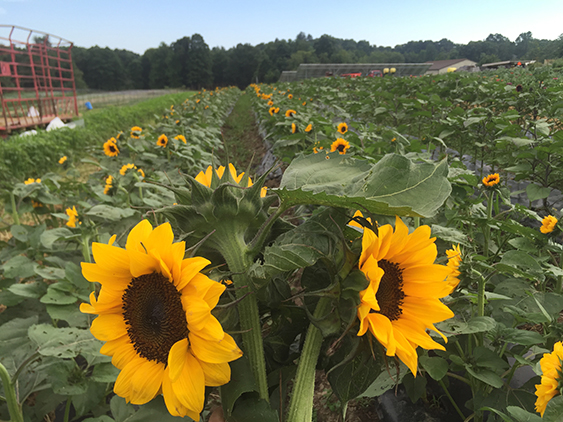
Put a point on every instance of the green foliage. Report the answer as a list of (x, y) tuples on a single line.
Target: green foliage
[(32, 156)]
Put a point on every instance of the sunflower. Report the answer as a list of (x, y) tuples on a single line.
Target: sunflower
[(126, 167), (551, 380), (548, 224), (290, 97), (401, 301), (110, 148), (62, 159), (316, 150), (491, 180), (309, 128), (72, 216), (136, 132), (36, 204), (454, 261), (342, 128), (141, 172), (272, 111), (205, 177), (155, 316), (109, 184), (162, 141), (293, 128), (30, 181), (290, 113), (180, 138), (340, 145), (270, 103), (358, 215)]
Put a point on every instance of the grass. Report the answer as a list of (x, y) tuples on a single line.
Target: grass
[(243, 143)]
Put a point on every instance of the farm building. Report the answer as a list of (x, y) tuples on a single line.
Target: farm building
[(318, 70), (442, 66), (507, 64)]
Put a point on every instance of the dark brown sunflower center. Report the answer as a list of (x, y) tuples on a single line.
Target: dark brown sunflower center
[(341, 147), (154, 315), (112, 148), (390, 293)]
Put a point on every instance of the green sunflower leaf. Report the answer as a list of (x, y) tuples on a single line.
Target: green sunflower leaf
[(393, 186)]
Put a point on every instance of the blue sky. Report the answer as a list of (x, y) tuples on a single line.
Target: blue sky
[(139, 25)]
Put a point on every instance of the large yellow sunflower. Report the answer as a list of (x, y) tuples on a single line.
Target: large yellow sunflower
[(551, 381), (155, 317), (205, 177), (401, 301)]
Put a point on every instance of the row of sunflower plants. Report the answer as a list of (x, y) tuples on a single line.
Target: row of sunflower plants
[(494, 118), (508, 303), (51, 365)]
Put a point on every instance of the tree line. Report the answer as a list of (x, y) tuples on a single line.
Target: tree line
[(189, 62)]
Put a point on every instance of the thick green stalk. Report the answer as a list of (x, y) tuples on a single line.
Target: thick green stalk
[(487, 229), (301, 403), (15, 214), (234, 250), (13, 405)]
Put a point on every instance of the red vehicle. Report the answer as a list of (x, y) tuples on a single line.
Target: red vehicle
[(376, 73)]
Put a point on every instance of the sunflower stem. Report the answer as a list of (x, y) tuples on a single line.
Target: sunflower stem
[(301, 403), (235, 252), (481, 305), (454, 404), (67, 408), (13, 406), (15, 214), (487, 228)]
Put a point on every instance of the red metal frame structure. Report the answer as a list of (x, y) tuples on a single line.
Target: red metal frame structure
[(36, 78)]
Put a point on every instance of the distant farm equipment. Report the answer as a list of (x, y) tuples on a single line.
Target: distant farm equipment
[(36, 78)]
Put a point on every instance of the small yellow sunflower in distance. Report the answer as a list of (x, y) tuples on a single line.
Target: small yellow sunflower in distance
[(491, 180), (293, 128), (126, 167), (162, 141), (63, 159), (205, 177), (548, 224), (342, 128), (180, 138), (136, 132), (155, 316), (290, 113), (340, 145), (309, 128), (401, 301), (290, 97), (72, 216), (110, 148), (551, 381)]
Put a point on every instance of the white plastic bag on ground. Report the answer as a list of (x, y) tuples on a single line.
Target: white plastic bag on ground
[(56, 123)]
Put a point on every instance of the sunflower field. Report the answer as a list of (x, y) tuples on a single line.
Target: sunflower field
[(408, 237)]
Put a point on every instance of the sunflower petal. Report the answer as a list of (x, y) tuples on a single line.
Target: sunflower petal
[(146, 382), (190, 268), (177, 358), (190, 385), (108, 327), (216, 374), (225, 350), (138, 237)]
